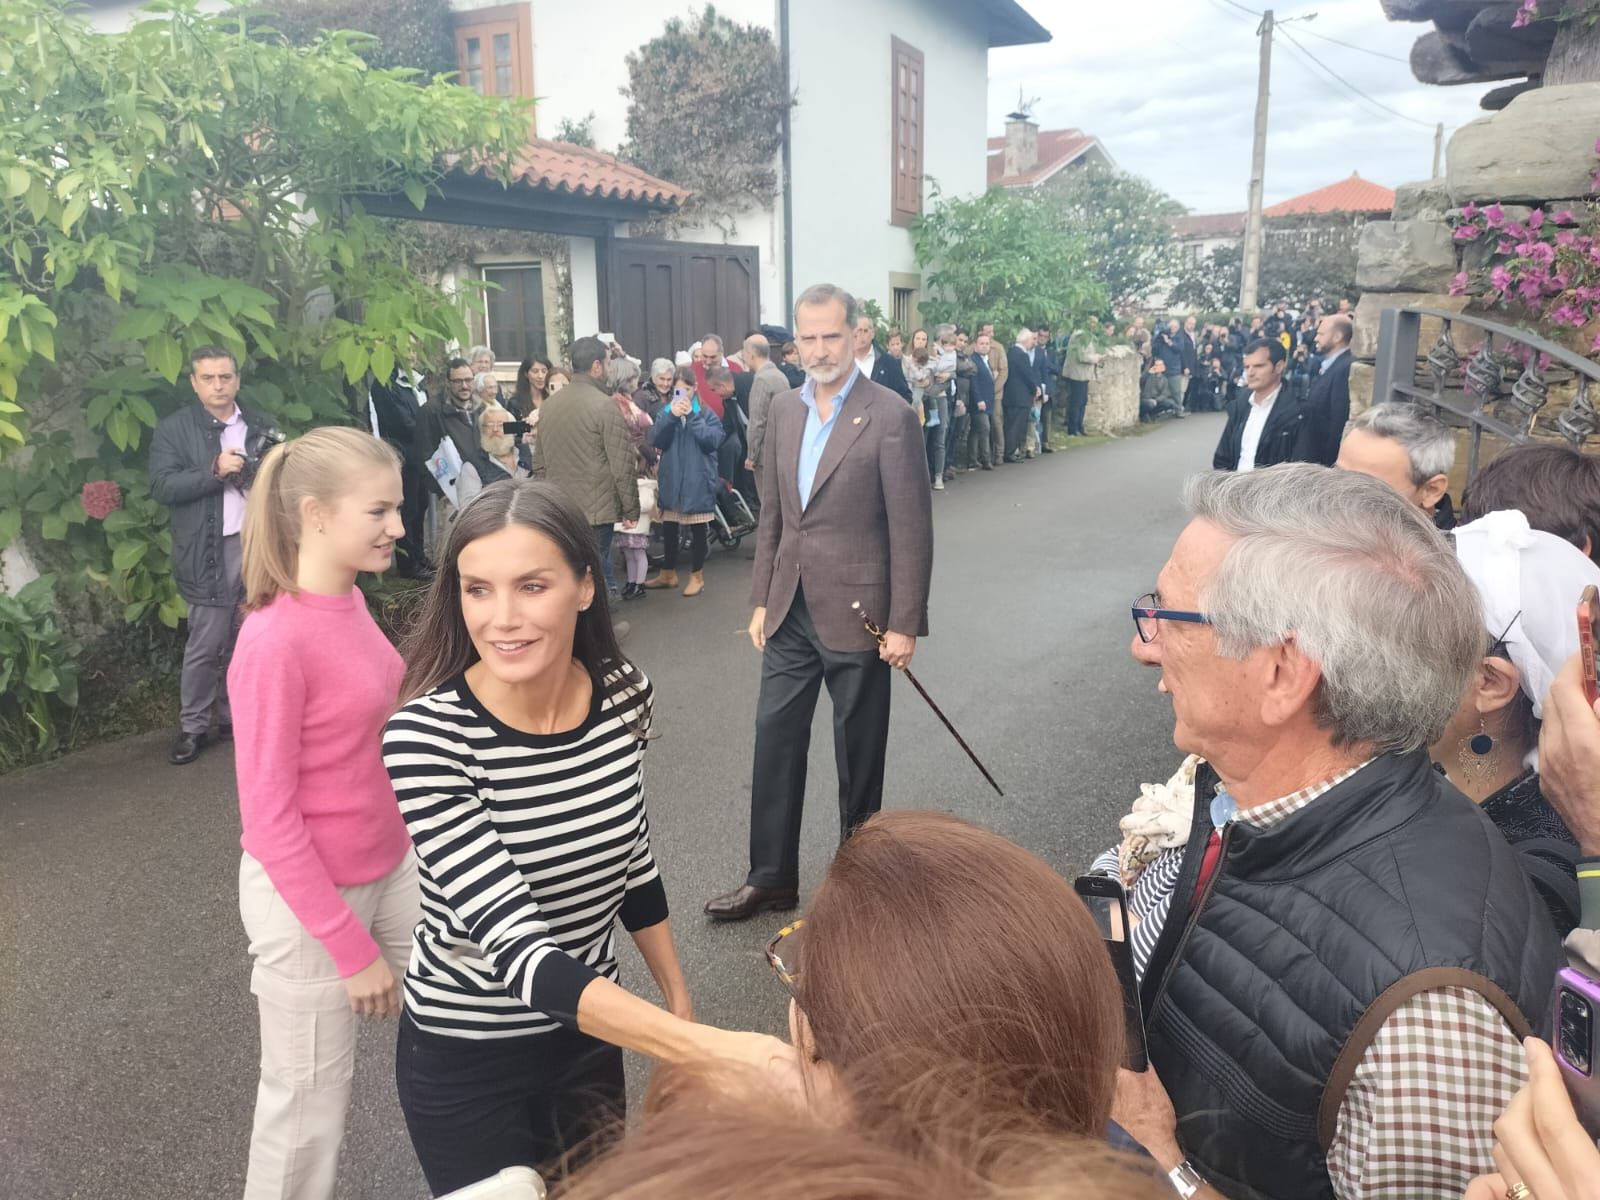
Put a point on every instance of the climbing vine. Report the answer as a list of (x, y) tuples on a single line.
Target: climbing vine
[(706, 108)]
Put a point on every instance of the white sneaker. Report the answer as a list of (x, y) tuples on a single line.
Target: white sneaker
[(938, 485)]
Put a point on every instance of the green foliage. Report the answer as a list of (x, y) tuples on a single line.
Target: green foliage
[(706, 109), (38, 667), (579, 133), (1126, 226), (1005, 256), (183, 183), (1298, 262), (406, 33)]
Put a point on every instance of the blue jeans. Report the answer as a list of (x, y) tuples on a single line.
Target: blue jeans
[(602, 542), (935, 437)]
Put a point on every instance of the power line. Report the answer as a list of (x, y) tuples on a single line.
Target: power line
[(1343, 82), (1353, 46)]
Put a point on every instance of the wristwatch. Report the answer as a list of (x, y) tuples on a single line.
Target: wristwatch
[(1185, 1180)]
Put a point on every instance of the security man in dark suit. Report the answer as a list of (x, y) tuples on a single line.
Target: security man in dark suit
[(1266, 425), (1328, 406), (881, 368)]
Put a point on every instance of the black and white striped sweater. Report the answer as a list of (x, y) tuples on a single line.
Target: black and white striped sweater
[(532, 847)]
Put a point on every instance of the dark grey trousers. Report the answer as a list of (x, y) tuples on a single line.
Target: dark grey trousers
[(212, 630), (794, 666)]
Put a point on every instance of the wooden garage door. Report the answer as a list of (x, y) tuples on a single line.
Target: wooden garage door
[(666, 295)]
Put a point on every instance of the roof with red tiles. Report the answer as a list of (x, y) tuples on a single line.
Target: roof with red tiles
[(562, 167), (1353, 195), (1057, 148)]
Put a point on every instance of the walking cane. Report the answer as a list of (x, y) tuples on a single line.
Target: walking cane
[(878, 635)]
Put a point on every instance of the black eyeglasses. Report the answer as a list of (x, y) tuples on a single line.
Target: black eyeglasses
[(1148, 615)]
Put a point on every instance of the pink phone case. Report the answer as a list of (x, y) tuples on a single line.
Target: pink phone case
[(1577, 1017)]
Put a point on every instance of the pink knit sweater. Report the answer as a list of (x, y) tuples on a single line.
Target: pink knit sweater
[(313, 680)]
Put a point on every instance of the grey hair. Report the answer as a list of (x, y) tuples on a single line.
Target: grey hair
[(485, 381), (827, 293), (946, 330), (622, 375), (663, 366), (478, 351), (712, 337), (1430, 443), (1361, 581)]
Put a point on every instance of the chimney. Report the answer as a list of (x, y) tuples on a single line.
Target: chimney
[(1022, 143)]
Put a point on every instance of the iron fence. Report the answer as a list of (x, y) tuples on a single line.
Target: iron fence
[(1497, 385)]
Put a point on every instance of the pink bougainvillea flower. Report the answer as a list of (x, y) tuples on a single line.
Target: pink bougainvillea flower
[(1504, 247), (1566, 238), (1500, 279), (1495, 215), (1541, 252), (1469, 211), (1458, 284), (1535, 219), (1565, 217), (1467, 233), (100, 498)]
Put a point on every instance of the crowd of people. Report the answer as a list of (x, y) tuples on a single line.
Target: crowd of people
[(1345, 911)]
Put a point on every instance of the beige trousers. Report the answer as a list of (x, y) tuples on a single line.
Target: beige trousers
[(308, 1033)]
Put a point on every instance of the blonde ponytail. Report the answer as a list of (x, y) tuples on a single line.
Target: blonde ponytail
[(321, 464)]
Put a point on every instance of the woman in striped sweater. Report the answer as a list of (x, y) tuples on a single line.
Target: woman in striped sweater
[(518, 762)]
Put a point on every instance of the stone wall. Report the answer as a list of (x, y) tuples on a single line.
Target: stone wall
[(1114, 395), (1538, 151)]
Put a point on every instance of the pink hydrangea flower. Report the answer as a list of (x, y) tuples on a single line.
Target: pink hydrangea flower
[(100, 498)]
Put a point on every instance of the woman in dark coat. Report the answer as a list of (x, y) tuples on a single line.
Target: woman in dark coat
[(688, 436)]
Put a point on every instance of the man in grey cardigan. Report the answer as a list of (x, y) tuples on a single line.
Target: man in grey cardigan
[(846, 518), (584, 449)]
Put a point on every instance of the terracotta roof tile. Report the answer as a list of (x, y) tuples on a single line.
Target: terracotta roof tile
[(1057, 148), (1353, 195), (580, 171)]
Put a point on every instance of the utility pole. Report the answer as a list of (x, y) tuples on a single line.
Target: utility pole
[(1438, 149), (1250, 274)]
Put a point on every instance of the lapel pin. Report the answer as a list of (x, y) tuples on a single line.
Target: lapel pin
[(857, 421)]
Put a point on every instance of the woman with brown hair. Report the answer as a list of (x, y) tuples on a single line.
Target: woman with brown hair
[(938, 950), (711, 1141), (518, 761)]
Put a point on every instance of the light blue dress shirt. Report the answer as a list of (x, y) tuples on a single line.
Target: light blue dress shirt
[(814, 437)]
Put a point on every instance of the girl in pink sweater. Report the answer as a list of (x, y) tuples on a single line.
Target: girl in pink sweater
[(328, 882)]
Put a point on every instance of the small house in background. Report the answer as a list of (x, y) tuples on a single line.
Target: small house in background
[(1340, 209), (1027, 156)]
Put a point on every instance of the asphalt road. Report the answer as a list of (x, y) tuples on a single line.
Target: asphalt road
[(127, 1032)]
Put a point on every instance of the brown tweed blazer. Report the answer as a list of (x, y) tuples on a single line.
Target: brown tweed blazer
[(867, 534)]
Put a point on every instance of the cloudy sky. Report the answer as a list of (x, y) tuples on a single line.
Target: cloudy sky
[(1169, 88)]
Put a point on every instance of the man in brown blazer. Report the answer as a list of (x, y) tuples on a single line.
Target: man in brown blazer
[(846, 517)]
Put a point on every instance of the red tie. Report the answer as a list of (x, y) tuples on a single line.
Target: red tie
[(1208, 864)]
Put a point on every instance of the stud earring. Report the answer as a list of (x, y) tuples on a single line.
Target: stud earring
[(1477, 754)]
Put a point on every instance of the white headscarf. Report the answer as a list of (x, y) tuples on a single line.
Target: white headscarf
[(1529, 582)]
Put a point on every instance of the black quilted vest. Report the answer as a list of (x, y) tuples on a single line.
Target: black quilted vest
[(1389, 884)]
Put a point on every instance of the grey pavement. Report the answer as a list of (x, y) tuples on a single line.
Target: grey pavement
[(127, 1031)]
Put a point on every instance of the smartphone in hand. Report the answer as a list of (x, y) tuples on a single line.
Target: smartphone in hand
[(1577, 997), (516, 428), (1108, 905), (1588, 629)]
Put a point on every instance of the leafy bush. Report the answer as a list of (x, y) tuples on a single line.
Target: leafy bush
[(1126, 225), (195, 180), (38, 670), (706, 108)]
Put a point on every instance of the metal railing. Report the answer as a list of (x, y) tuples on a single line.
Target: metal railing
[(1497, 386)]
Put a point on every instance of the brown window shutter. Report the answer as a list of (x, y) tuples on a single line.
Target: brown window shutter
[(907, 123)]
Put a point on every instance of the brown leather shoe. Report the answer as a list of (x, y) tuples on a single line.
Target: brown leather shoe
[(745, 902)]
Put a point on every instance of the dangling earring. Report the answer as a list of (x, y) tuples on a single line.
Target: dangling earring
[(320, 529), (1477, 754)]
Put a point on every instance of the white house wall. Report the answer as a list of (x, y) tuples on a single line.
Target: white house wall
[(842, 73)]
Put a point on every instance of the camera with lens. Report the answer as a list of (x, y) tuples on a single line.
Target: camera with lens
[(256, 445)]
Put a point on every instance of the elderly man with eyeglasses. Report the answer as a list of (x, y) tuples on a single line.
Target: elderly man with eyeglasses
[(1339, 955)]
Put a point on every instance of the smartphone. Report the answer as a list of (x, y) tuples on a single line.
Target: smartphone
[(1588, 627), (516, 428), (1577, 998), (1108, 905)]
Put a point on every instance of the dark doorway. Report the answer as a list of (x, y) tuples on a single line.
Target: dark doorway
[(666, 295)]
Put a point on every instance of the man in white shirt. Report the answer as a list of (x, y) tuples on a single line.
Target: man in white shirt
[(1268, 426)]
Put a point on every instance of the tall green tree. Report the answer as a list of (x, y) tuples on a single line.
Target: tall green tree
[(1126, 226), (1005, 256), (190, 181)]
